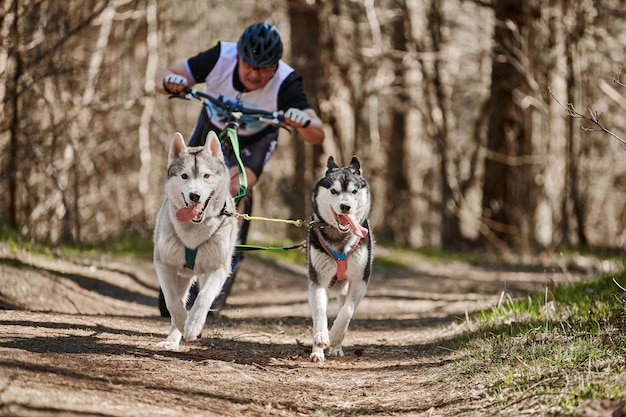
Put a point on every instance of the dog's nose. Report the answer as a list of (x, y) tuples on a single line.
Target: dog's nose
[(345, 208), (194, 197)]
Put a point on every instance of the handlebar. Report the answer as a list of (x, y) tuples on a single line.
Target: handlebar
[(233, 107)]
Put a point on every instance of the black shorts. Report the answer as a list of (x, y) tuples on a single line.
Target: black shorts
[(255, 151)]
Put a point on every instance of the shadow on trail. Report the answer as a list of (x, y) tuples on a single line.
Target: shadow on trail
[(93, 339), (91, 283), (411, 324), (95, 329), (295, 355)]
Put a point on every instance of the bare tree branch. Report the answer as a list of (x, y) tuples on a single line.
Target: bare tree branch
[(594, 117), (618, 284), (485, 3), (616, 78)]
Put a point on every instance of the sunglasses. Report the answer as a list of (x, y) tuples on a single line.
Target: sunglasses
[(262, 70)]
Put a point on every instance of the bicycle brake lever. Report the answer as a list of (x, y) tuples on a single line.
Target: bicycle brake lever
[(185, 97)]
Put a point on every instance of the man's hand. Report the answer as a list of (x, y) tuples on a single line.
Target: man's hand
[(297, 118), (174, 83)]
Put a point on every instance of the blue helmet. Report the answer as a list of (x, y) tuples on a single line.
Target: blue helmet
[(260, 45)]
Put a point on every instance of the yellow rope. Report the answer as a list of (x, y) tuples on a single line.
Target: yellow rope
[(297, 223)]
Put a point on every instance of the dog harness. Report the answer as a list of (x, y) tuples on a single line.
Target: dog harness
[(340, 258), (190, 258), (190, 254)]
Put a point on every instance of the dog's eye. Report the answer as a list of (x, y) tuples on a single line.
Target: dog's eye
[(354, 191), (184, 176), (206, 176), (333, 191)]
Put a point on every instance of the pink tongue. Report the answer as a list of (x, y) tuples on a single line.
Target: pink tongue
[(187, 214), (357, 229)]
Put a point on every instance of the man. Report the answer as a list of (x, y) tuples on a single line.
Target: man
[(251, 72)]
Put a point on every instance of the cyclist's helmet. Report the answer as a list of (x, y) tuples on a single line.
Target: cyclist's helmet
[(260, 45)]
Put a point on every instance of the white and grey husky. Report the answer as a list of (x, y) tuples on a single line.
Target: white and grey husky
[(194, 237), (339, 248)]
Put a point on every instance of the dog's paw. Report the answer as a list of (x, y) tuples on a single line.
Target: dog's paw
[(172, 342), (321, 340), (168, 345), (317, 355), (190, 335), (336, 351), (193, 328)]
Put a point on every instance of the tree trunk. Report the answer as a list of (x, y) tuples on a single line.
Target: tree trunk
[(11, 110), (509, 193), (449, 229), (306, 59), (397, 208), (573, 226)]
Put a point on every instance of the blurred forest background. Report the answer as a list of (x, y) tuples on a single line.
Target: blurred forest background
[(451, 106)]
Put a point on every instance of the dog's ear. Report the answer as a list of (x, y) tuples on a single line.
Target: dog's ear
[(355, 165), (213, 145), (331, 165), (177, 146)]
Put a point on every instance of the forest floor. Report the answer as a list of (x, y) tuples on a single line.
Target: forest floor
[(78, 336)]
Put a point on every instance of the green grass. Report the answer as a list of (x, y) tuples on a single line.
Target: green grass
[(133, 246), (557, 348)]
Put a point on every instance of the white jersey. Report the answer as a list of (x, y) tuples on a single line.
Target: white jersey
[(220, 82)]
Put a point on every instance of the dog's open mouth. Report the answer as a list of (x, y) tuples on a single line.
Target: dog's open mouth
[(192, 213), (345, 222)]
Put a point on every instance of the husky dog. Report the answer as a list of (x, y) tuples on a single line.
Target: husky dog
[(339, 252), (194, 236)]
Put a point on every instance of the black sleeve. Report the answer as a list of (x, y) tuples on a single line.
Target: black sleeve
[(203, 63), (291, 93)]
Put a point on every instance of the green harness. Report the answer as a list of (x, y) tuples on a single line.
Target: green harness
[(190, 258)]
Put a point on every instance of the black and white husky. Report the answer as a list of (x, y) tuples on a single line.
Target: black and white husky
[(339, 252)]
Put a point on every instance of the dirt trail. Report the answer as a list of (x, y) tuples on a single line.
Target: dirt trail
[(78, 338)]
